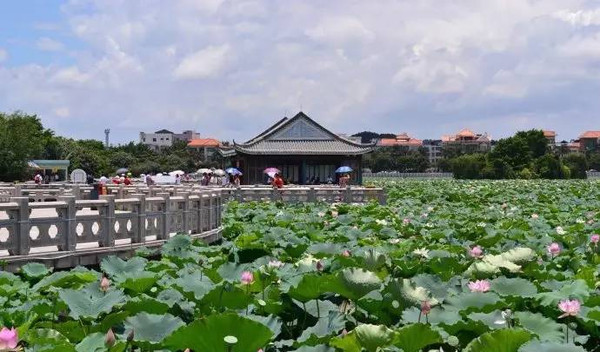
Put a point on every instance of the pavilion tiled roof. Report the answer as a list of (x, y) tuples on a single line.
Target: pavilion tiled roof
[(204, 142), (590, 134), (300, 135), (548, 133)]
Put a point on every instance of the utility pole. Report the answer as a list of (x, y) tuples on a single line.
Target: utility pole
[(106, 133)]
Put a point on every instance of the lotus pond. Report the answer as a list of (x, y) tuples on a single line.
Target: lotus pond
[(445, 266)]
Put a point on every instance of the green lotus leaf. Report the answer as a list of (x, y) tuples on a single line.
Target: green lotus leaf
[(506, 340), (90, 302), (359, 282), (152, 328), (469, 300), (546, 329), (576, 289), (34, 271), (116, 267), (513, 287), (207, 334), (145, 303), (371, 337), (48, 340), (347, 343), (538, 346), (331, 323), (519, 254), (67, 279), (415, 337), (138, 282)]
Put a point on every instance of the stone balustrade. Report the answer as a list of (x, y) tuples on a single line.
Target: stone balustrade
[(61, 226), (69, 232)]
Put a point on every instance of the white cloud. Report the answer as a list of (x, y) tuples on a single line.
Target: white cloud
[(62, 112), (205, 63), (69, 76), (340, 30), (580, 17), (49, 44), (230, 68)]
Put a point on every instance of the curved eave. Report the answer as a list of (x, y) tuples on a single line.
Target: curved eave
[(301, 152)]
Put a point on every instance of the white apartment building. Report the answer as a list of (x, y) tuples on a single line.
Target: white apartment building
[(165, 138)]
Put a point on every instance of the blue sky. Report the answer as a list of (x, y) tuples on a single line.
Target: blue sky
[(228, 69)]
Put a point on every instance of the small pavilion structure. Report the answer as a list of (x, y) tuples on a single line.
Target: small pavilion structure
[(301, 148), (52, 167)]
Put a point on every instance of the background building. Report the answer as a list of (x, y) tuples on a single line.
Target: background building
[(208, 146), (589, 141), (165, 138), (466, 142), (401, 140)]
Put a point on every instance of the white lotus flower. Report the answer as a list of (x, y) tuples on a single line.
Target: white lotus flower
[(423, 252), (560, 230), (381, 222)]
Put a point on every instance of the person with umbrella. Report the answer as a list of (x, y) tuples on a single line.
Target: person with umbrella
[(345, 175)]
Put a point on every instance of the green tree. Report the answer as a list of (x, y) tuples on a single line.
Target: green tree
[(577, 164), (22, 138), (469, 166)]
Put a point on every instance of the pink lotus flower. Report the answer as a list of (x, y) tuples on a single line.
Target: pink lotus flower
[(595, 238), (319, 266), (425, 307), (109, 339), (554, 249), (104, 284), (406, 221), (476, 252), (247, 278), (346, 253), (569, 307), (479, 286), (275, 264), (8, 338)]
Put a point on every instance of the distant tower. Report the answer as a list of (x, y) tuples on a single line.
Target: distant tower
[(106, 133)]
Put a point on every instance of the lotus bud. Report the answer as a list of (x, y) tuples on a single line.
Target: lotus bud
[(110, 339), (319, 266), (247, 278), (595, 238), (344, 332), (130, 336), (346, 253), (104, 284), (187, 350), (425, 307), (8, 338)]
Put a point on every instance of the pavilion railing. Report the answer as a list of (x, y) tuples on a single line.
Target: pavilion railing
[(68, 223)]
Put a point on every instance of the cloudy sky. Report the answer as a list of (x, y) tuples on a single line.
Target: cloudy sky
[(230, 68)]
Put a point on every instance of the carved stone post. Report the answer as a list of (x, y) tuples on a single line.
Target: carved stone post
[(107, 215), (165, 230), (186, 217), (69, 229), (348, 195), (21, 242), (139, 235)]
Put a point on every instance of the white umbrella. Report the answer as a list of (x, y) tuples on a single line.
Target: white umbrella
[(177, 172), (204, 171), (219, 172)]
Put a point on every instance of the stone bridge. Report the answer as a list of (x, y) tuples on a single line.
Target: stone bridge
[(60, 225)]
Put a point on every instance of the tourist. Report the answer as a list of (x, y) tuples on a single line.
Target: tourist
[(103, 180), (344, 178), (225, 181), (277, 181), (329, 180), (149, 180), (46, 179), (236, 181), (127, 181), (177, 179), (38, 179)]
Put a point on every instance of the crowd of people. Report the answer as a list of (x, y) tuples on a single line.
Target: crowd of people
[(208, 178)]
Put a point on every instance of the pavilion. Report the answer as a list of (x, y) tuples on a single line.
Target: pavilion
[(301, 148)]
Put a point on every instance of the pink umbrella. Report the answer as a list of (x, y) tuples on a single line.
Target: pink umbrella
[(271, 170)]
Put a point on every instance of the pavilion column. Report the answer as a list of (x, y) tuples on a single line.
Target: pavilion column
[(303, 172)]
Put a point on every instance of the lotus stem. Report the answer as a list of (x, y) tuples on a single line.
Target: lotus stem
[(248, 293), (318, 310)]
